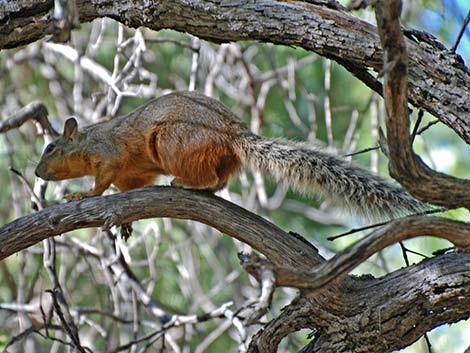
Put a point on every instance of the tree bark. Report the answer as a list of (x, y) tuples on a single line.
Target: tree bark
[(279, 247), (420, 180), (439, 82), (377, 315), (374, 314)]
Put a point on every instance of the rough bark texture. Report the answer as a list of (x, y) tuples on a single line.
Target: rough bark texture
[(377, 315), (397, 308), (439, 82), (157, 201), (405, 166), (335, 269)]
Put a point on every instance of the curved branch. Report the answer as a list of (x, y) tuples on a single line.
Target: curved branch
[(281, 248), (399, 308), (417, 178), (439, 81), (33, 111), (440, 296), (337, 268)]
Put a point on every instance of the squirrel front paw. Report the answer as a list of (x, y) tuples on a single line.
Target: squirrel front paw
[(75, 196)]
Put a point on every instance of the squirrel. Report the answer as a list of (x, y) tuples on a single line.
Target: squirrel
[(203, 144)]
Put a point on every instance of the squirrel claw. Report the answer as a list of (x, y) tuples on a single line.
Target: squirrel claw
[(126, 230), (75, 196)]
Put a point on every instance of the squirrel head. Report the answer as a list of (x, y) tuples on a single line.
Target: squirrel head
[(61, 158)]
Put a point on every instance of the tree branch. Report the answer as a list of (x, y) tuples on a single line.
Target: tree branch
[(279, 247), (440, 296), (417, 178), (399, 307), (366, 314), (439, 81), (33, 111), (333, 271)]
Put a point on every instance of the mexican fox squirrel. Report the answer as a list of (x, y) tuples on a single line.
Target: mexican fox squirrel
[(203, 144)]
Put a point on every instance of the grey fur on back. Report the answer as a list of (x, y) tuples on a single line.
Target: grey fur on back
[(312, 171)]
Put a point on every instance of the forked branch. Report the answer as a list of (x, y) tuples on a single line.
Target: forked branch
[(417, 178)]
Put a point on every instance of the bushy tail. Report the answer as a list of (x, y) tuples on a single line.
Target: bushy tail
[(314, 172)]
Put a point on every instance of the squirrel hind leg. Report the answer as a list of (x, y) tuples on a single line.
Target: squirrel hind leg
[(227, 167), (178, 182), (211, 185), (211, 174)]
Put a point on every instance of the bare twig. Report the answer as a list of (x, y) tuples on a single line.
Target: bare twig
[(461, 32), (196, 45), (176, 321), (65, 19), (365, 150), (61, 309), (326, 103), (266, 276), (416, 127), (405, 228), (33, 111), (89, 66)]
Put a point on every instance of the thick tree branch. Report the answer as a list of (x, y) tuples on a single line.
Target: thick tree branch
[(439, 82), (331, 272), (349, 313), (377, 315), (325, 310), (421, 181), (279, 247)]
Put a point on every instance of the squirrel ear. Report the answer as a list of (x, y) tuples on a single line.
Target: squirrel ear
[(70, 129)]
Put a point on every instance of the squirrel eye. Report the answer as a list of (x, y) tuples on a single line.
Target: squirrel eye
[(50, 147)]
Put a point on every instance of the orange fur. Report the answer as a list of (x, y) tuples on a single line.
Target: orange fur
[(186, 135), (202, 144)]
